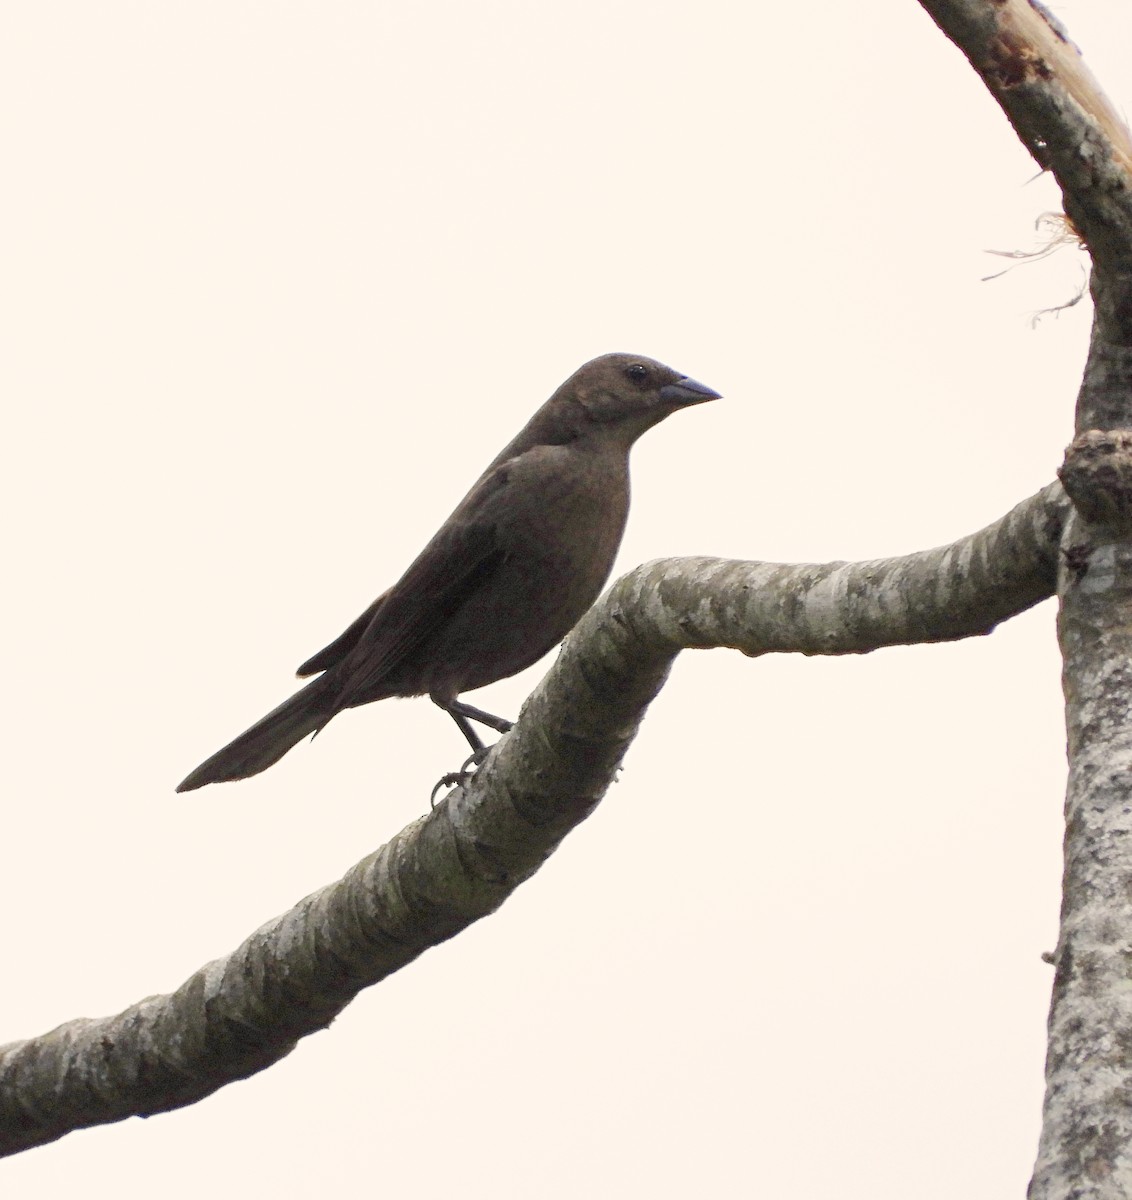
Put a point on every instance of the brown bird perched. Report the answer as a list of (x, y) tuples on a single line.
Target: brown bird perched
[(507, 576)]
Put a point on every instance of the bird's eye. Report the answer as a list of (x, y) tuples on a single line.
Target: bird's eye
[(637, 372)]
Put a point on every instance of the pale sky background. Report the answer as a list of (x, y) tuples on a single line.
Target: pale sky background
[(256, 257)]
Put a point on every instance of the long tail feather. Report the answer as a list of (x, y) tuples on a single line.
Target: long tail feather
[(267, 740)]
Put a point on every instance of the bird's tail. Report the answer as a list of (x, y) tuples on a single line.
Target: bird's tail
[(268, 739)]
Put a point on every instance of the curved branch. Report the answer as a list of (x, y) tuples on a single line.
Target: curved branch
[(1057, 108), (239, 1014)]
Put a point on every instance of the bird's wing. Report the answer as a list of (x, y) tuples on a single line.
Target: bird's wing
[(450, 569), (430, 589), (332, 655)]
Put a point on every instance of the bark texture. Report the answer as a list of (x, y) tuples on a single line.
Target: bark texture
[(1086, 1144), (1036, 73), (239, 1014)]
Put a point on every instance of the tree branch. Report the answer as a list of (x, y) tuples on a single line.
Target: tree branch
[(238, 1015), (1061, 115), (1040, 80)]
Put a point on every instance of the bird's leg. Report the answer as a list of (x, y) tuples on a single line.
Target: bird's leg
[(465, 727), (464, 714)]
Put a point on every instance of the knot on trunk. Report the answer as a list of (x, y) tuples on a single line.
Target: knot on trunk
[(1097, 475)]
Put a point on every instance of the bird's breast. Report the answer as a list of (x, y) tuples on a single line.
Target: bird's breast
[(575, 507)]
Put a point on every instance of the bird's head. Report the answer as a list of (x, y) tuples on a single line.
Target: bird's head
[(610, 402), (632, 392)]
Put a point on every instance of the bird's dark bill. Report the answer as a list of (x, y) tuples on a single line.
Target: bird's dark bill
[(687, 391)]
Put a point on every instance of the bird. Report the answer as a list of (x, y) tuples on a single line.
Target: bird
[(504, 579)]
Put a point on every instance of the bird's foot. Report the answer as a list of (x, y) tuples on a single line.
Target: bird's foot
[(459, 778)]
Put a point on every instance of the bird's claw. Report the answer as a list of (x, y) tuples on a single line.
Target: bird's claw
[(459, 778)]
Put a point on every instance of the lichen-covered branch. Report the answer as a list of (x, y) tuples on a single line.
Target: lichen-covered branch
[(1038, 77), (238, 1015), (1036, 73)]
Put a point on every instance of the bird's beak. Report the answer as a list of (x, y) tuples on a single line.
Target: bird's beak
[(687, 391)]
